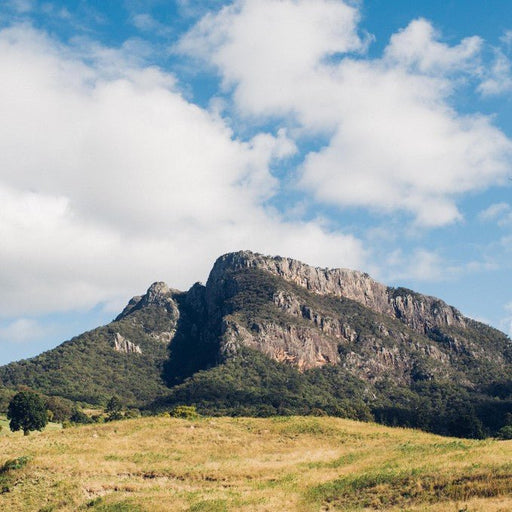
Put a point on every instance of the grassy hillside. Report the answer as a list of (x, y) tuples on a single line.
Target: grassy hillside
[(251, 464)]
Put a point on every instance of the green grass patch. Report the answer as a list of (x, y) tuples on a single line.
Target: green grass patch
[(210, 506), (399, 488), (8, 470), (99, 505)]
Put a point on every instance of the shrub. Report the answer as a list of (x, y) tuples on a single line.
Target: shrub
[(188, 412), (79, 416), (114, 409), (14, 464), (59, 408), (505, 432)]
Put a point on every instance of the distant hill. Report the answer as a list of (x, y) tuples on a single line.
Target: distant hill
[(271, 335)]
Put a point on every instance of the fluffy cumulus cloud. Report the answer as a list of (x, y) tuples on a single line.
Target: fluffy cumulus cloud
[(110, 180), (395, 141), (271, 53), (418, 47)]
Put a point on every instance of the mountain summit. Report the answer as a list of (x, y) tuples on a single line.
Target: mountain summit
[(351, 346)]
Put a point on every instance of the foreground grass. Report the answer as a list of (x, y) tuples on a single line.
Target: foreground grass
[(232, 464), (5, 430)]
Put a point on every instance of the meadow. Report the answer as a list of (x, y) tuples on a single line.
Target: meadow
[(250, 464)]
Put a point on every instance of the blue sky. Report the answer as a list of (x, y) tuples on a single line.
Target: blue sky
[(141, 140)]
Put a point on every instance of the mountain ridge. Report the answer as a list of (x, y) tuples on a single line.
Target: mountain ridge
[(349, 343)]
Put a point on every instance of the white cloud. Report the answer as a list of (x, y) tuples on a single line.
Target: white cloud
[(147, 23), (111, 180), (506, 38), (197, 8), (22, 6), (144, 21), (268, 51), (506, 322), (22, 330), (419, 265), (494, 211), (417, 47), (500, 213), (498, 79), (396, 143)]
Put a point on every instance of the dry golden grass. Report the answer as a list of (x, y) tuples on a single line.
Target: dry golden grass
[(246, 464)]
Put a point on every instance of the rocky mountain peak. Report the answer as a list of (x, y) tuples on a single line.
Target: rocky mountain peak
[(158, 294), (421, 312), (338, 282)]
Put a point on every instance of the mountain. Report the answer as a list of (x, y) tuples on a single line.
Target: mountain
[(271, 335)]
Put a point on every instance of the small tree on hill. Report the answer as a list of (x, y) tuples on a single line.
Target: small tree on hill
[(27, 412), (114, 409)]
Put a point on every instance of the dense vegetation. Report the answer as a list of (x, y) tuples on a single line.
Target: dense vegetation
[(251, 384)]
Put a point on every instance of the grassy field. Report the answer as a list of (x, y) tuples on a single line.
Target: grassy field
[(4, 427), (245, 464)]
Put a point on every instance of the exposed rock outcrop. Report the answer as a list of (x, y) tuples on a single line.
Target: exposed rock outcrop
[(159, 295), (421, 312), (124, 345)]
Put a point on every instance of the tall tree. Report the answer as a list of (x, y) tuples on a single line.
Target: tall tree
[(27, 412)]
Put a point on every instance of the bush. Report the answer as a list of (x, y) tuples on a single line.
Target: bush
[(505, 432), (114, 409), (80, 417), (14, 464), (188, 412), (60, 408)]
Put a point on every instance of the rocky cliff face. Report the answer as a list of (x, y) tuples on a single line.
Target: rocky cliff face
[(158, 295), (124, 345), (311, 316), (420, 312)]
